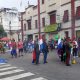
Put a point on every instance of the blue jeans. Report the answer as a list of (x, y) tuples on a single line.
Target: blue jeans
[(37, 58), (45, 57), (13, 52)]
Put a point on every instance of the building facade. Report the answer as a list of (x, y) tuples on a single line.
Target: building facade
[(55, 18), (66, 18), (10, 21)]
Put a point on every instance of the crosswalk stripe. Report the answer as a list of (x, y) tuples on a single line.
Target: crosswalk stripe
[(40, 78), (18, 76), (4, 65), (3, 69), (10, 72)]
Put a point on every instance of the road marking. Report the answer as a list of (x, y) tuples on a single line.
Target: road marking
[(4, 65), (18, 76), (10, 72), (40, 78), (3, 69)]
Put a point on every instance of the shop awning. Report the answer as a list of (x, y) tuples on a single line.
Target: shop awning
[(50, 28)]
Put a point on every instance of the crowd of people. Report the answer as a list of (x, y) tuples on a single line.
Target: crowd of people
[(67, 49), (18, 49)]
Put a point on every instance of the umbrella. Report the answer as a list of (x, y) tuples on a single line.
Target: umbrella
[(5, 39)]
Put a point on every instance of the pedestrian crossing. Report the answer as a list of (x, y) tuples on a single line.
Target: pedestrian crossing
[(9, 72)]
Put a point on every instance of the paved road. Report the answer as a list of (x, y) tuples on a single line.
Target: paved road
[(23, 69), (9, 72)]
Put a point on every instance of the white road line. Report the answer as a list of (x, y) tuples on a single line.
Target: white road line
[(10, 72), (40, 78), (18, 76), (4, 65), (3, 69)]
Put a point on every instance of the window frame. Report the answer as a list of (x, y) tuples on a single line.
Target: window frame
[(36, 24), (29, 24), (43, 22), (78, 13), (42, 1), (66, 16)]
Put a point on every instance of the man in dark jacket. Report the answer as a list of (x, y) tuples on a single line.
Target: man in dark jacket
[(36, 48), (68, 52), (45, 51)]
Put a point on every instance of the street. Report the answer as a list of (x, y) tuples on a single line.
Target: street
[(21, 68)]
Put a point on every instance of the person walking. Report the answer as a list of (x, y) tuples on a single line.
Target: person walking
[(45, 51), (33, 54), (37, 51), (68, 52), (75, 48), (13, 51), (20, 48), (25, 46)]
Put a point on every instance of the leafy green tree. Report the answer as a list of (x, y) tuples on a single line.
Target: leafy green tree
[(2, 32)]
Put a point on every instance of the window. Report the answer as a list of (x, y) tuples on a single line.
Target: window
[(42, 1), (78, 13), (66, 16), (24, 27), (52, 18), (43, 22), (36, 37), (36, 24), (29, 24), (66, 34)]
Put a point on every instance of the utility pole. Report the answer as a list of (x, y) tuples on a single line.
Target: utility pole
[(39, 26), (22, 26), (73, 18), (10, 28)]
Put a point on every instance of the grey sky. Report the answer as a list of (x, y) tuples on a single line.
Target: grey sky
[(19, 4)]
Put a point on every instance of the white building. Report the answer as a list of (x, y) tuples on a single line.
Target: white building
[(10, 21)]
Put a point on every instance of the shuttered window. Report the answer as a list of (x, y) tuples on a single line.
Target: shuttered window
[(24, 27), (36, 24), (78, 13), (43, 22), (29, 24), (52, 18), (42, 1), (66, 16)]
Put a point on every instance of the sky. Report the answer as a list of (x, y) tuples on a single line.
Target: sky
[(19, 4)]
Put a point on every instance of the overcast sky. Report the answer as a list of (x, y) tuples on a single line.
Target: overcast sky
[(19, 4)]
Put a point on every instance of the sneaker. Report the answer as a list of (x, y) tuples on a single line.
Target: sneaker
[(68, 65)]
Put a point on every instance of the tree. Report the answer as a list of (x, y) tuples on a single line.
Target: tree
[(2, 32)]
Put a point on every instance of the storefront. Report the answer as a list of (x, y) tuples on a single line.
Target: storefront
[(78, 34), (30, 37), (51, 31)]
